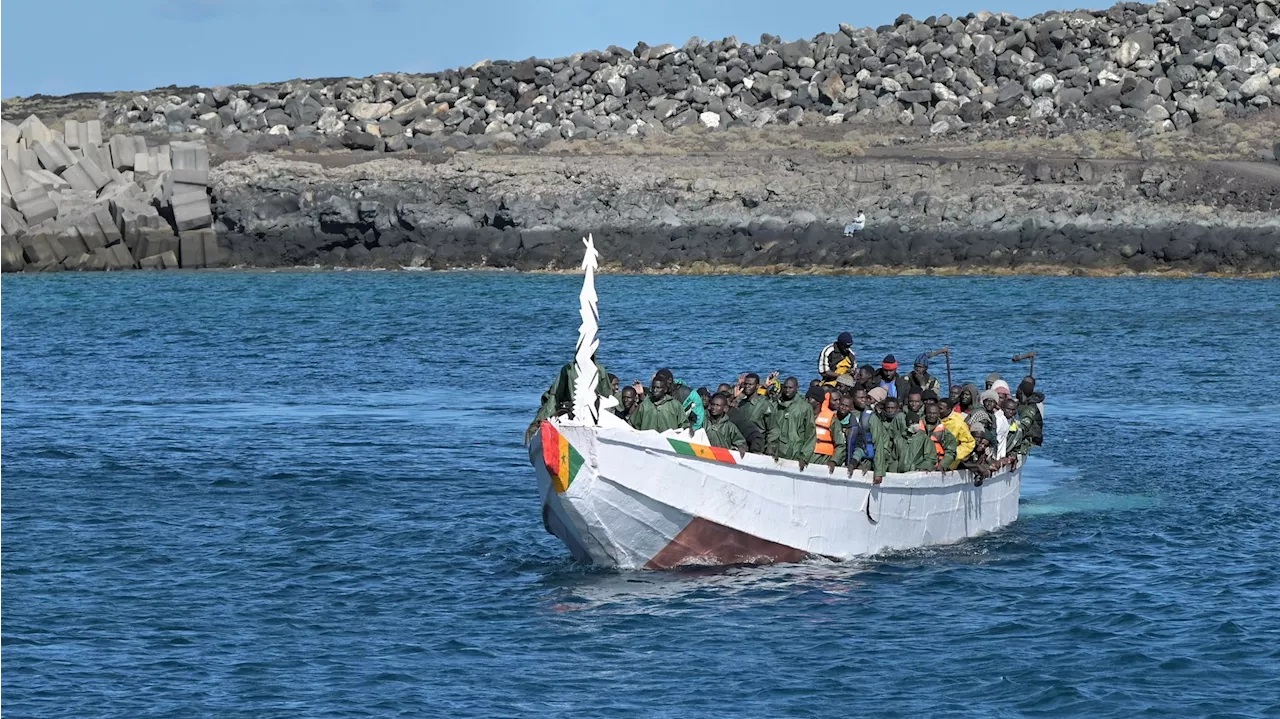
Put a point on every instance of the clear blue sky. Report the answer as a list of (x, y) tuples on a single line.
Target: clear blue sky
[(64, 46)]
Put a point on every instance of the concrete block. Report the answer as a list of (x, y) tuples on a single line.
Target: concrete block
[(139, 144), (192, 215), (27, 160), (103, 258), (154, 262), (10, 135), (79, 262), (44, 178), (76, 177), (94, 172), (120, 257), (93, 132), (211, 253), (69, 239), (50, 158), (11, 220), (11, 259), (90, 233), (163, 161), (35, 205), (33, 130), (13, 177), (190, 177), (189, 155), (190, 251), (37, 249), (110, 230), (71, 129), (100, 156), (122, 152), (142, 164)]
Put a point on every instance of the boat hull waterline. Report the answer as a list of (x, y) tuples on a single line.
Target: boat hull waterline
[(622, 498)]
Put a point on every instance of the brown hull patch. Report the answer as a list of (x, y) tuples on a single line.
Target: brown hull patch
[(703, 542)]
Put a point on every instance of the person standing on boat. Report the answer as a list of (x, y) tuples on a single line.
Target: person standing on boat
[(1018, 442), (794, 432), (757, 409), (897, 386), (721, 431), (919, 377), (560, 394), (1000, 424), (1031, 409), (913, 411), (836, 359), (658, 411), (930, 447), (828, 447), (957, 424)]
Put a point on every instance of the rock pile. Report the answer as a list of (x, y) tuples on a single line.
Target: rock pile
[(71, 202), (1153, 67)]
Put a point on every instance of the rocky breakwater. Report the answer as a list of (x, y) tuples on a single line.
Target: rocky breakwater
[(74, 200), (1151, 68), (757, 212)]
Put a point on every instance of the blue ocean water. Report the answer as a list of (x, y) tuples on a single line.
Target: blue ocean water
[(304, 494)]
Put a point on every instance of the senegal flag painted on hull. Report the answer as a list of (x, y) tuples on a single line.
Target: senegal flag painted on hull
[(702, 451), (562, 460)]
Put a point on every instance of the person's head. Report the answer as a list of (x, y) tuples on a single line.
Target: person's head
[(844, 406), (1026, 387), (659, 387), (889, 368), (932, 412), (816, 398), (705, 395), (719, 405), (814, 383), (966, 397), (889, 408), (629, 397), (751, 383), (1009, 406), (921, 366), (845, 383), (613, 382), (865, 373), (844, 341), (790, 386), (990, 400), (992, 379), (859, 398), (1001, 387), (725, 389), (915, 401), (665, 374), (982, 441)]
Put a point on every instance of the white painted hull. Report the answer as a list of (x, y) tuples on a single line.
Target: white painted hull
[(635, 502)]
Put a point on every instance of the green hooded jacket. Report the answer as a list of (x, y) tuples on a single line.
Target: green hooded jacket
[(723, 433), (920, 455), (759, 411), (661, 416), (890, 439), (795, 431), (561, 390)]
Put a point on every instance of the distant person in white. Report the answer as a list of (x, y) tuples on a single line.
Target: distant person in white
[(857, 225)]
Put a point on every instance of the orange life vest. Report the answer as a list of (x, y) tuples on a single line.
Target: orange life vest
[(826, 442), (936, 436)]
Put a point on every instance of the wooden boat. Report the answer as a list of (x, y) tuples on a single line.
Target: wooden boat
[(622, 498)]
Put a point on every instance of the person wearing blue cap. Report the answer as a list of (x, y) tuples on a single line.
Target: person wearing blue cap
[(919, 379), (837, 358)]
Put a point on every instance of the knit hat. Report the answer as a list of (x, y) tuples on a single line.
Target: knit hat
[(1001, 387), (878, 394), (990, 394), (845, 381), (923, 360), (889, 363), (844, 339)]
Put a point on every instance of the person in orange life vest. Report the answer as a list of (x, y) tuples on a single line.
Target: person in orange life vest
[(829, 447), (930, 446), (957, 423)]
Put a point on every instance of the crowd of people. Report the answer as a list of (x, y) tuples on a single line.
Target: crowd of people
[(850, 416)]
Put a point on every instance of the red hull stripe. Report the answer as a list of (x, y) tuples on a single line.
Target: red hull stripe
[(703, 542), (702, 451)]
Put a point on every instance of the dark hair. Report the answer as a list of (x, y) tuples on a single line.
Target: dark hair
[(612, 376), (887, 400), (665, 373), (719, 396), (751, 375)]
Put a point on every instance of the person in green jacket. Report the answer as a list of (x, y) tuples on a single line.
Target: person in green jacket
[(720, 431), (794, 432), (1019, 442), (889, 437), (690, 403), (921, 453), (561, 391), (658, 410), (757, 409)]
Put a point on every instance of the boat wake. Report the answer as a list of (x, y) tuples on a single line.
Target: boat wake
[(1049, 489)]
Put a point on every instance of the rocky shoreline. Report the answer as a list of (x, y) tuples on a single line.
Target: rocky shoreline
[(1137, 139)]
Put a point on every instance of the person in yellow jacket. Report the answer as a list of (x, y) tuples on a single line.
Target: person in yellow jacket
[(957, 423)]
